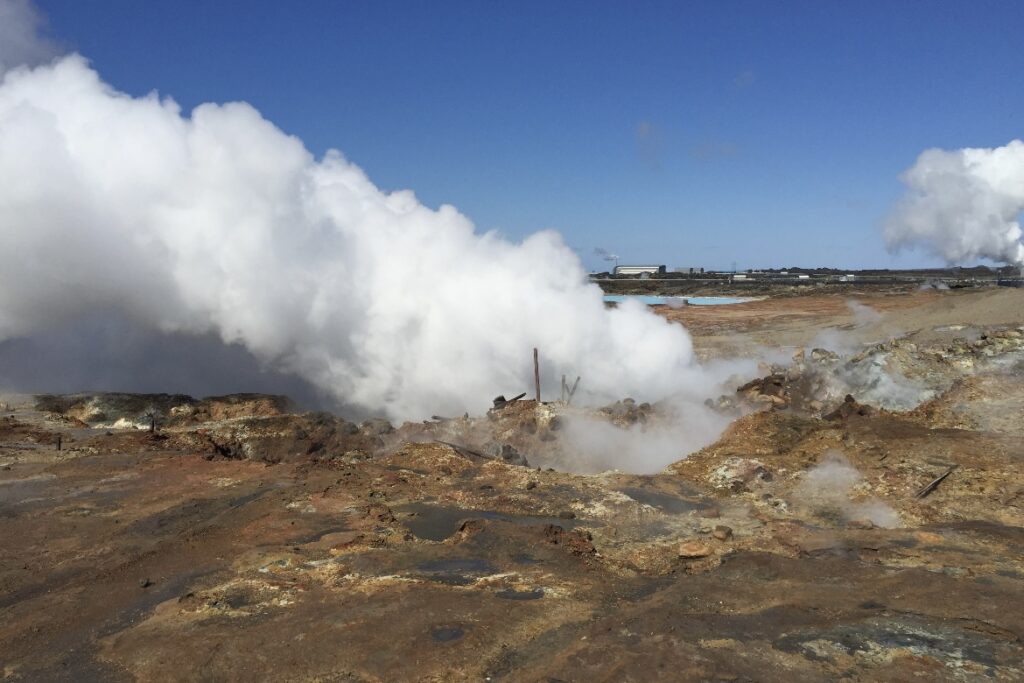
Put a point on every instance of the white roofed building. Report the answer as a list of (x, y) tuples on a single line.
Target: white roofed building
[(639, 270)]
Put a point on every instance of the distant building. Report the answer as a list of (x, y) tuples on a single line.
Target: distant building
[(639, 270), (689, 270)]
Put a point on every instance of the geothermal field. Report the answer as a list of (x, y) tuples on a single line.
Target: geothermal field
[(266, 415), (853, 508)]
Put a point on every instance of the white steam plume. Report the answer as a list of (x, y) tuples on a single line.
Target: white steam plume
[(21, 39), (833, 487), (593, 444), (963, 205), (220, 223)]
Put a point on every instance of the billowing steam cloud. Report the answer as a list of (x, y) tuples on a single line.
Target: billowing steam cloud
[(21, 40), (963, 205), (218, 222)]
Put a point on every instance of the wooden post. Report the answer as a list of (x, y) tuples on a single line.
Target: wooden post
[(572, 392), (59, 440), (536, 373), (564, 387)]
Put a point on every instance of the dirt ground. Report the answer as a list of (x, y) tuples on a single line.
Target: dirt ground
[(862, 518), (863, 315)]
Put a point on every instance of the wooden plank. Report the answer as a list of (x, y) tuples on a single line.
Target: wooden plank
[(934, 484)]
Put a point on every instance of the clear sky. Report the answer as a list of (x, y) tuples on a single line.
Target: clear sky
[(760, 133)]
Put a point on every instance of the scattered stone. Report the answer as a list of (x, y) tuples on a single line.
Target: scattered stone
[(693, 550), (578, 542), (379, 512), (848, 408), (508, 453), (771, 389), (722, 532), (471, 526), (824, 356), (739, 474)]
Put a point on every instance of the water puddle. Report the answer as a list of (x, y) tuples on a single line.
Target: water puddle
[(438, 522), (314, 536), (446, 634), (666, 502), (535, 594), (456, 571)]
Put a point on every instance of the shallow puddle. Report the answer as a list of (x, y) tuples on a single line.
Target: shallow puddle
[(446, 634), (666, 502), (438, 522), (456, 571), (535, 594)]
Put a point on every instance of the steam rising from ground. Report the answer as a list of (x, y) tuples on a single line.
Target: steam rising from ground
[(874, 378), (830, 488), (596, 445), (840, 340), (963, 205), (220, 223), (592, 444)]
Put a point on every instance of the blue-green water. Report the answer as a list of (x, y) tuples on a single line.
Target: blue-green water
[(654, 300)]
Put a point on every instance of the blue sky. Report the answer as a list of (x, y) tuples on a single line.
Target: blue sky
[(765, 134)]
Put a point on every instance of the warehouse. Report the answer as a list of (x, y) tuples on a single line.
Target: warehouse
[(639, 270)]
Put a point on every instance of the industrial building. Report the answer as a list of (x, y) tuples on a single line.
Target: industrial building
[(639, 270)]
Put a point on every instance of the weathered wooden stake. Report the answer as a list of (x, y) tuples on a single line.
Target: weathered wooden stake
[(59, 439), (933, 484), (536, 372), (564, 387)]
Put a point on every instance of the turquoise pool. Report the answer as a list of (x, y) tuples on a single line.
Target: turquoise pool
[(653, 300)]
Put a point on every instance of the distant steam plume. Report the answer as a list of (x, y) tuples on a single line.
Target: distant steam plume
[(218, 223), (963, 205)]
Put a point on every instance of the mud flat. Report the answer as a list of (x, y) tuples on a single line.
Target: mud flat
[(240, 541)]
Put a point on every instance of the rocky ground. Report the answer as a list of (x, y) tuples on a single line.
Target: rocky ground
[(861, 518)]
